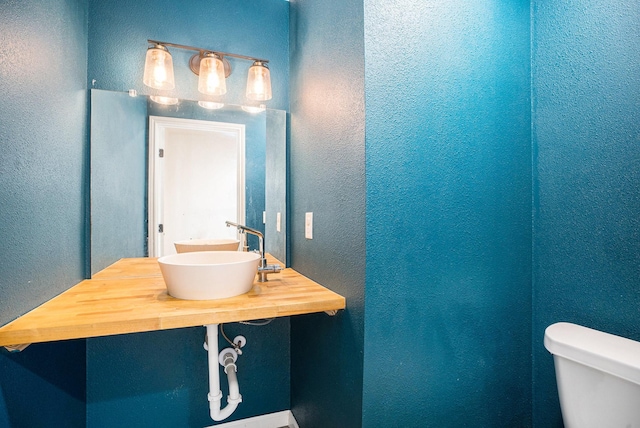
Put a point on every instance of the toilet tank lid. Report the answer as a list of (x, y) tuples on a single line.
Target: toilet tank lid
[(606, 352)]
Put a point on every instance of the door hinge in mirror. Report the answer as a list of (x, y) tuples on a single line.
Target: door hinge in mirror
[(160, 228), (161, 153)]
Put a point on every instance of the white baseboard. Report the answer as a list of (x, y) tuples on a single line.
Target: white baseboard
[(272, 420)]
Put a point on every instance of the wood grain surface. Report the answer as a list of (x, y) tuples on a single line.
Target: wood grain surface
[(130, 296)]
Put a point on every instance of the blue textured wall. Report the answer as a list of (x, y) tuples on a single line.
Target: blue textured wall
[(43, 133), (586, 92), (327, 178), (448, 155), (128, 375), (43, 57), (448, 300), (160, 379), (43, 386), (118, 201)]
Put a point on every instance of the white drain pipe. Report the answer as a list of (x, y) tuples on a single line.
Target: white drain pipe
[(226, 359)]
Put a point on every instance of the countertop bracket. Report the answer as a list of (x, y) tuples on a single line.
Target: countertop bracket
[(16, 348)]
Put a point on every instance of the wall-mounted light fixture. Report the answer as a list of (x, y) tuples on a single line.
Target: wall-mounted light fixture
[(212, 68)]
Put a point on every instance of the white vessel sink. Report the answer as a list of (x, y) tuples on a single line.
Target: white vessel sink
[(209, 275), (191, 245)]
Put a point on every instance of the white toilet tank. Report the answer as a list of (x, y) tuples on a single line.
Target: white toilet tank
[(598, 376)]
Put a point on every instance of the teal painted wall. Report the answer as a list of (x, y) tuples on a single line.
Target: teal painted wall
[(447, 301), (586, 135), (448, 161), (118, 200), (43, 164), (43, 386), (448, 188), (43, 57), (160, 379), (327, 178)]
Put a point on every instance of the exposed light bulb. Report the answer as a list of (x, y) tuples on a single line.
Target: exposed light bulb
[(212, 80), (259, 82), (158, 68)]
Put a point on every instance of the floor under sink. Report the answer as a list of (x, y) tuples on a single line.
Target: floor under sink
[(283, 419)]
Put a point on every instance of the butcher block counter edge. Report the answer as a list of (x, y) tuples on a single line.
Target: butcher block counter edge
[(130, 296)]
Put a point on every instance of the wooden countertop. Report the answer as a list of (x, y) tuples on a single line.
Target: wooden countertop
[(130, 296)]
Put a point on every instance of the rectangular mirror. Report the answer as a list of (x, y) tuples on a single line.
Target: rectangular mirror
[(126, 213)]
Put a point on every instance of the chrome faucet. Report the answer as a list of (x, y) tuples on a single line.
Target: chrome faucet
[(263, 267)]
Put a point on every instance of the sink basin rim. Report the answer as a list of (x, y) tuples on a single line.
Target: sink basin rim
[(209, 258), (200, 245), (209, 275)]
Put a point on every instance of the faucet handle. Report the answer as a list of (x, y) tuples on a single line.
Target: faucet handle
[(270, 269), (267, 269)]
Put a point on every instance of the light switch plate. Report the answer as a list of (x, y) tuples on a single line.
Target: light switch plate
[(308, 225), (278, 222)]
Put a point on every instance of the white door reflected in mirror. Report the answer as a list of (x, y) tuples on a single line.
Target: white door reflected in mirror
[(196, 181)]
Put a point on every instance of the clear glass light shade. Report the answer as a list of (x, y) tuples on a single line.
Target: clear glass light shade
[(158, 68), (259, 82), (212, 80)]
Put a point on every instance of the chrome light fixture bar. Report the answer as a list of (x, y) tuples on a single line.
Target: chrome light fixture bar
[(211, 66)]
